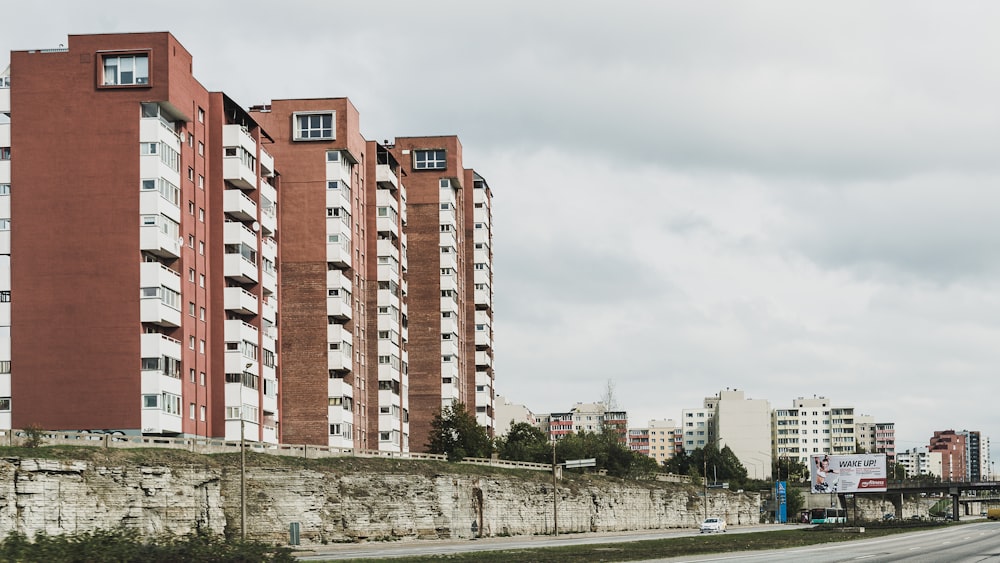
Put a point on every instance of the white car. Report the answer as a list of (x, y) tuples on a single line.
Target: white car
[(713, 525)]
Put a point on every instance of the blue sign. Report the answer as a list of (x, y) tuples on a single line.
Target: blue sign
[(780, 490)]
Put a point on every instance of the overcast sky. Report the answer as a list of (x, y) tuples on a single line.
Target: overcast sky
[(790, 198)]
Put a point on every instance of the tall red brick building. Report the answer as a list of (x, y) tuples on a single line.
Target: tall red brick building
[(162, 224), (952, 447)]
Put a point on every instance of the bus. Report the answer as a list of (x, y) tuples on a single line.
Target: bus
[(828, 516)]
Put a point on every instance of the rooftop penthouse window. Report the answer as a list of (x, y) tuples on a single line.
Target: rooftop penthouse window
[(429, 160), (125, 69), (313, 126)]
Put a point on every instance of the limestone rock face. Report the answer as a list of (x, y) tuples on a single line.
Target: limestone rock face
[(58, 497)]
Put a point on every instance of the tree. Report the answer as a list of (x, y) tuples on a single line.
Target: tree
[(455, 433), (524, 442), (790, 469), (895, 471)]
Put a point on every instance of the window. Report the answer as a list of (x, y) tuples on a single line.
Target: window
[(150, 401), (5, 366), (4, 153), (429, 160), (126, 70), (201, 115), (333, 156), (4, 189), (313, 126), (4, 403)]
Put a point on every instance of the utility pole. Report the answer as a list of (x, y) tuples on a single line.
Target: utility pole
[(555, 497)]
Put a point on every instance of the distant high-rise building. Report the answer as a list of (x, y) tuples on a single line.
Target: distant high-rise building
[(951, 446)]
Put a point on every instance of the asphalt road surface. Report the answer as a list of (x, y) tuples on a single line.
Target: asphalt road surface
[(975, 542)]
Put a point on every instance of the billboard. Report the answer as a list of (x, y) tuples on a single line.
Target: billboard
[(855, 473)]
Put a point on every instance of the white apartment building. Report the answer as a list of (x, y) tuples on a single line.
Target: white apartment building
[(508, 414), (744, 426), (920, 461), (813, 426), (696, 425)]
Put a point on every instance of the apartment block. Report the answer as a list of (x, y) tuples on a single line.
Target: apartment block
[(661, 439), (813, 426), (952, 448), (875, 437), (976, 456), (744, 426), (508, 413), (168, 218), (920, 461), (450, 283), (324, 275), (165, 230)]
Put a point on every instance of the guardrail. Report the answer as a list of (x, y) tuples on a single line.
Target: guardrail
[(215, 446)]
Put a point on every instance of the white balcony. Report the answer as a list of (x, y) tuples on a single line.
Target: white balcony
[(269, 311), (449, 324), (385, 178), (5, 171), (339, 307), (152, 239), (338, 388), (339, 253), (240, 301), (155, 421), (339, 198), (238, 173), (483, 298), (4, 134), (151, 166), (152, 345), (236, 362), (237, 204), (266, 164), (154, 274), (449, 347), (387, 225), (234, 135), (152, 203), (269, 249), (339, 359), (154, 310), (483, 339), (336, 279), (239, 268), (238, 233), (269, 281), (4, 105), (483, 359), (4, 319), (270, 404), (268, 221), (236, 331)]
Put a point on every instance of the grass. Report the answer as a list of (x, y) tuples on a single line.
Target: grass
[(655, 549)]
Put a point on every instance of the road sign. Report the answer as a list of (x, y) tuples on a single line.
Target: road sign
[(571, 463)]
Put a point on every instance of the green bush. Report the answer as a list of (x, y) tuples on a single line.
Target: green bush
[(125, 546)]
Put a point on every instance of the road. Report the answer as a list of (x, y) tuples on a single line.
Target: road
[(440, 547), (968, 543), (974, 542)]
